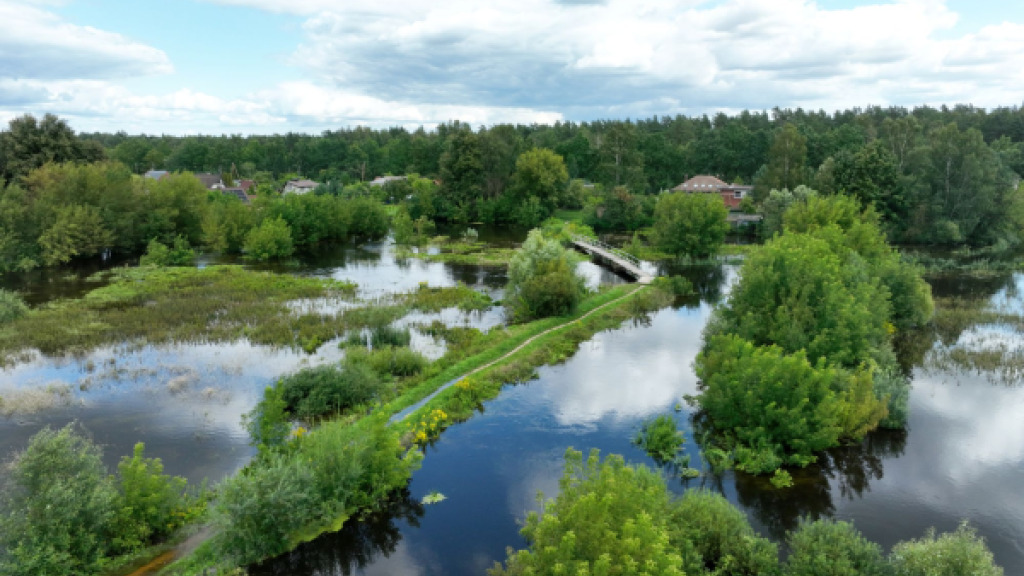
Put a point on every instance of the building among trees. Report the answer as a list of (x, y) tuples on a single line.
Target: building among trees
[(732, 194)]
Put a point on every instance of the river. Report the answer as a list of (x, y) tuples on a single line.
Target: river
[(961, 456)]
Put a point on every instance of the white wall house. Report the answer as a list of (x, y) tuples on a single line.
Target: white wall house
[(300, 186)]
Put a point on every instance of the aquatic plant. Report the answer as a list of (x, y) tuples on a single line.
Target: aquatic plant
[(389, 336), (434, 497), (660, 438), (782, 479)]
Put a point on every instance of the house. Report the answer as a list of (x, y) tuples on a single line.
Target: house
[(157, 174), (383, 180), (300, 186), (246, 185), (732, 194), (210, 181)]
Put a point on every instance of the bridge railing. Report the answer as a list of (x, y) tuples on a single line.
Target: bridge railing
[(594, 242)]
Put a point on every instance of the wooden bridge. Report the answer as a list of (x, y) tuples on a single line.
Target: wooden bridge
[(626, 263)]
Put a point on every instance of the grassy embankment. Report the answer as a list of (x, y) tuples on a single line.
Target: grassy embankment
[(501, 356)]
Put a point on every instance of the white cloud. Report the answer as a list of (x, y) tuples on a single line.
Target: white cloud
[(36, 44)]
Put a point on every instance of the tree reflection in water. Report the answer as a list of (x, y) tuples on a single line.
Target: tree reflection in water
[(358, 544), (851, 469)]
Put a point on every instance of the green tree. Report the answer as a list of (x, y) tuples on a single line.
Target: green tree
[(831, 548), (607, 519), (798, 294), (225, 225), (541, 174), (542, 280), (462, 173), (714, 535), (950, 554), (151, 504), (271, 239), (29, 144), (787, 162), (76, 231), (620, 162), (12, 306), (59, 511), (776, 408), (158, 254), (690, 224), (777, 203), (872, 176)]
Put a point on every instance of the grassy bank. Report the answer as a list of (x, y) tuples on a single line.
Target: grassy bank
[(555, 339), (462, 252)]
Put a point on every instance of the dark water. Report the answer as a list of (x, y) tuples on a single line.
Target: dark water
[(961, 457)]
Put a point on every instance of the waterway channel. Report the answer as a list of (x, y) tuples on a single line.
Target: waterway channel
[(960, 457)]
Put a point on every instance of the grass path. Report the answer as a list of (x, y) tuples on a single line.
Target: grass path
[(402, 415)]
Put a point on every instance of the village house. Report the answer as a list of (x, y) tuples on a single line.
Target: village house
[(300, 186), (157, 174), (732, 194), (210, 181), (383, 180)]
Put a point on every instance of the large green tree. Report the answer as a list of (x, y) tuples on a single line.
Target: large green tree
[(28, 144), (787, 162), (462, 173), (620, 162), (872, 176), (690, 224), (540, 174)]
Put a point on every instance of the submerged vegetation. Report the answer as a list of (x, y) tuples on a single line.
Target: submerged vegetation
[(610, 518)]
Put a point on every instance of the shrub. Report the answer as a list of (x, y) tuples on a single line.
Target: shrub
[(268, 423), (258, 508), (950, 554), (778, 408), (660, 438), (158, 254), (718, 536), (890, 384), (322, 390), (58, 512), (367, 218), (152, 504), (608, 516), (690, 224), (830, 548), (675, 285), (396, 361), (12, 306), (543, 280), (390, 336), (271, 239)]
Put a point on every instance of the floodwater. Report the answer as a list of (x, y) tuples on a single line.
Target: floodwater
[(961, 456)]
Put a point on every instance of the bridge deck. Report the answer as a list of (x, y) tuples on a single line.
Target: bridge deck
[(625, 262)]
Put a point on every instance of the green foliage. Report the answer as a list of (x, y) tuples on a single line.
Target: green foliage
[(76, 231), (660, 438), (388, 335), (396, 361), (152, 504), (368, 218), (158, 254), (30, 143), (675, 285), (796, 293), (787, 162), (949, 554), (322, 390), (462, 173), (543, 280), (831, 548), (776, 205), (890, 384), (58, 515), (259, 508), (539, 180), (226, 224), (271, 239), (781, 479), (717, 538), (616, 208), (690, 224), (608, 519), (12, 306), (268, 423), (779, 408)]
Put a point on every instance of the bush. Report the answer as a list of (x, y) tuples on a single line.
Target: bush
[(158, 254), (796, 293), (718, 536), (608, 516), (675, 285), (258, 508), (778, 408), (690, 224), (268, 423), (890, 384), (951, 554), (58, 511), (390, 336), (367, 218), (543, 280), (152, 504), (396, 361), (322, 390), (660, 438), (830, 548), (12, 306), (271, 239)]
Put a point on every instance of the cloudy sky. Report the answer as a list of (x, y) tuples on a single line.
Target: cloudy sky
[(265, 66)]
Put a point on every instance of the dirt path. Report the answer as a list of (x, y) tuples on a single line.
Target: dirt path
[(405, 413)]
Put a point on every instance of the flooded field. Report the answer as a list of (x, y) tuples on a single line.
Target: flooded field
[(960, 457)]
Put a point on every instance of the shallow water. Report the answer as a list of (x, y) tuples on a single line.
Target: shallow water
[(961, 457)]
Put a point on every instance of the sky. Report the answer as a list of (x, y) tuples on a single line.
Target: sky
[(274, 66)]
